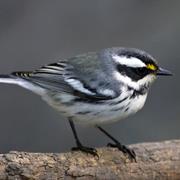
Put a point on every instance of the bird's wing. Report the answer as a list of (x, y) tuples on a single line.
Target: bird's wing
[(67, 76)]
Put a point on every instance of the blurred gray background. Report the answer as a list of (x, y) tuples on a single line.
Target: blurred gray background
[(33, 33)]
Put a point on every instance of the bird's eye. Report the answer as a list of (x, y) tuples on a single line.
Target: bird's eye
[(141, 71)]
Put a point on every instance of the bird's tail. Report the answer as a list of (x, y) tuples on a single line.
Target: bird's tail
[(9, 79), (17, 78)]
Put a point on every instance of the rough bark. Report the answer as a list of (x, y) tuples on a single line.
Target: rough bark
[(160, 160)]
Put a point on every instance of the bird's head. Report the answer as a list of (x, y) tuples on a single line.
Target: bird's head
[(136, 68)]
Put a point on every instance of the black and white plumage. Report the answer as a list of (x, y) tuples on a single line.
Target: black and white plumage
[(94, 88)]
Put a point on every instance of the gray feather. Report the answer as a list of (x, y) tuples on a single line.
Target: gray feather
[(90, 69)]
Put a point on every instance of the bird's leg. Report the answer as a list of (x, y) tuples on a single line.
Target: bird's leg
[(80, 147), (118, 145)]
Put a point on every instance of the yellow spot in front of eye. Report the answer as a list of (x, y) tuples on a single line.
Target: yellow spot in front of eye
[(151, 67)]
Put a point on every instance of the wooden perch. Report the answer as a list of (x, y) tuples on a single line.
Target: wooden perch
[(160, 160)]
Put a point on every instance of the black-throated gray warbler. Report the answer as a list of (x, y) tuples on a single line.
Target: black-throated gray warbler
[(94, 88)]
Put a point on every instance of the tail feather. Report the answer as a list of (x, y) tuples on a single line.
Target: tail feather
[(4, 78), (15, 77), (18, 78), (21, 74)]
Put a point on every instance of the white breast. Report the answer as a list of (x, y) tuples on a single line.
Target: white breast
[(96, 114), (137, 103)]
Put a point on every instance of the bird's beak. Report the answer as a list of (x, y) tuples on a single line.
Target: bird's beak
[(163, 72)]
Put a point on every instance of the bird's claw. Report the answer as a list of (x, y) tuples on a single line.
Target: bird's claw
[(124, 149)]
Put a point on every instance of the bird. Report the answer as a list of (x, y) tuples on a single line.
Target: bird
[(94, 88)]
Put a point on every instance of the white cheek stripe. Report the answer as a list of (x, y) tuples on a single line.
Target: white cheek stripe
[(129, 61), (149, 79), (126, 80)]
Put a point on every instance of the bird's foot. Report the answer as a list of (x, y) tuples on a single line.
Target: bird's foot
[(124, 149), (85, 149)]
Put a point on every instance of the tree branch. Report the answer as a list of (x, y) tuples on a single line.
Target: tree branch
[(160, 160)]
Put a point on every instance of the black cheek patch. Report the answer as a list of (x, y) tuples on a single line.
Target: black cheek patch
[(130, 72)]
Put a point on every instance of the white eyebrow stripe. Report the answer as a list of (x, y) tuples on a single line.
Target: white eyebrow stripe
[(129, 61)]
